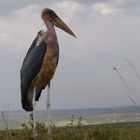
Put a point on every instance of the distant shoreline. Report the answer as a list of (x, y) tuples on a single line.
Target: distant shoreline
[(61, 118)]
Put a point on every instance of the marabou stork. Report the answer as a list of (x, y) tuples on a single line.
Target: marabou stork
[(40, 62)]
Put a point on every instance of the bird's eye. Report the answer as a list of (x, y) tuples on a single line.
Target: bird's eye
[(45, 12), (50, 12)]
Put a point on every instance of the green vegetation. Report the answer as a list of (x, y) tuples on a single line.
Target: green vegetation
[(125, 131)]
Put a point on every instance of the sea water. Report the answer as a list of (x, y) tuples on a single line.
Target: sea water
[(15, 119)]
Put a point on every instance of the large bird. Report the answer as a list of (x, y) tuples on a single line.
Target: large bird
[(40, 62)]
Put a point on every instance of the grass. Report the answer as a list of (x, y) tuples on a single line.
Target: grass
[(121, 131)]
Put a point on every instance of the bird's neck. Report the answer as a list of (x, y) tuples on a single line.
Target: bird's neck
[(50, 26), (51, 37), (51, 34)]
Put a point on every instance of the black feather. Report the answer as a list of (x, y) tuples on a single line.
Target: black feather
[(31, 66)]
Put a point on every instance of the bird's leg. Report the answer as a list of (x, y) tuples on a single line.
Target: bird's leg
[(48, 109), (34, 121)]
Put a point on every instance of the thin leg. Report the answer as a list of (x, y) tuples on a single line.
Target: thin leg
[(48, 110), (34, 121)]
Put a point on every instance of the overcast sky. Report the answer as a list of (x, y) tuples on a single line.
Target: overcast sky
[(106, 30)]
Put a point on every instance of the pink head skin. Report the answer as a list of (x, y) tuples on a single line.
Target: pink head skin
[(50, 18)]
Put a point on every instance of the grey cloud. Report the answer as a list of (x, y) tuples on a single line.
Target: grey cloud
[(6, 7), (128, 4)]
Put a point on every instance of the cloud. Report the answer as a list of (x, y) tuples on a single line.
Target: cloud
[(27, 11), (123, 4), (4, 37), (70, 8), (103, 8), (23, 24)]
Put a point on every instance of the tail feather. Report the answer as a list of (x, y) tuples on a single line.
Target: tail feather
[(38, 94), (26, 105)]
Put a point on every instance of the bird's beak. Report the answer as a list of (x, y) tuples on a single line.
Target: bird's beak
[(60, 24)]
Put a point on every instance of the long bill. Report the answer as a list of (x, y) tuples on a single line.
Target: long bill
[(60, 24)]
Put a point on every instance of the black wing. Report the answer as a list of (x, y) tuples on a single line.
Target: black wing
[(31, 66)]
